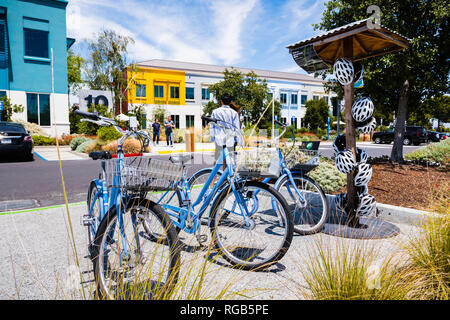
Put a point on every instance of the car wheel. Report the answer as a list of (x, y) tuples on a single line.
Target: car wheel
[(377, 140), (29, 157), (406, 141)]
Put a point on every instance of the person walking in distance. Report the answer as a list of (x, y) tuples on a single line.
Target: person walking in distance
[(230, 119), (156, 127), (168, 125)]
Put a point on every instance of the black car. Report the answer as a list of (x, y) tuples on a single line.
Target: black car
[(413, 134), (434, 136), (15, 141)]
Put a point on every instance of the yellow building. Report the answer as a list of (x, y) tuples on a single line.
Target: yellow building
[(156, 87)]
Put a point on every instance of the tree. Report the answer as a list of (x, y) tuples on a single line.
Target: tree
[(408, 78), (74, 65), (107, 61), (316, 115), (159, 113), (249, 92), (9, 109)]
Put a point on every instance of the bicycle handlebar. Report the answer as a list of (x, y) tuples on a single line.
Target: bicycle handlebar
[(90, 115)]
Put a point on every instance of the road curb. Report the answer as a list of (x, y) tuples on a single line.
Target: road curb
[(403, 215)]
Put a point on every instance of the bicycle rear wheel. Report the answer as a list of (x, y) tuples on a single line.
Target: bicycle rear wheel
[(128, 263), (261, 242), (310, 209)]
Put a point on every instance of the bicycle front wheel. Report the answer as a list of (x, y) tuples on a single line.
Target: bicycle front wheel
[(253, 231), (130, 264), (307, 202)]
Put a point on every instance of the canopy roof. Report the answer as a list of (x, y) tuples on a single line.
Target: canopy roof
[(367, 39)]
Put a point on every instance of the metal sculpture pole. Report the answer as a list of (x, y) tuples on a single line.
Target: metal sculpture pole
[(349, 91)]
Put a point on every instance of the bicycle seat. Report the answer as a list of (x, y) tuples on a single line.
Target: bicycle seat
[(102, 155), (181, 158)]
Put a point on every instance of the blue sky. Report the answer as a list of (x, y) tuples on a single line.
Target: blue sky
[(240, 33)]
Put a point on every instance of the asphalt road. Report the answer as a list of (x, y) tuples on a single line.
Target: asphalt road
[(38, 183)]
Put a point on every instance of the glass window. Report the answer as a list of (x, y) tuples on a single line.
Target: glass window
[(315, 97), (36, 43), (38, 108), (326, 99), (294, 99), (32, 108), (283, 98), (159, 92), (190, 93), (189, 121), (303, 98), (176, 120), (205, 94), (44, 109), (174, 92), (294, 122), (141, 90)]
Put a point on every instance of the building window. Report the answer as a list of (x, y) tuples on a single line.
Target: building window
[(38, 108), (205, 94), (294, 122), (283, 98), (190, 93), (176, 120), (36, 43), (159, 91), (326, 99), (140, 90), (294, 99), (303, 99), (315, 97), (189, 121), (283, 120), (174, 92)]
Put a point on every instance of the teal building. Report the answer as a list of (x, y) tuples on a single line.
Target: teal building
[(33, 60)]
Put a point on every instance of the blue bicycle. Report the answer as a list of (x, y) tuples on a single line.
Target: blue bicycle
[(305, 198), (250, 222), (130, 260)]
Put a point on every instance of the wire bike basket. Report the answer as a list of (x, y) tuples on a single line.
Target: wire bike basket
[(300, 159), (143, 174), (258, 163)]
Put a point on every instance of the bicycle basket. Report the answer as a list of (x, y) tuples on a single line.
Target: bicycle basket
[(258, 162), (143, 174), (300, 159)]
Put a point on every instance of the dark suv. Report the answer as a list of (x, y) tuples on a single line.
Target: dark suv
[(413, 134)]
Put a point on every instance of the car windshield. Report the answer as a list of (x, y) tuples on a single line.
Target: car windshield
[(12, 128)]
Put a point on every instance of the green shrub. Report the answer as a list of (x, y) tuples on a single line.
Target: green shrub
[(108, 133), (436, 152), (43, 140), (328, 177), (82, 147), (77, 141)]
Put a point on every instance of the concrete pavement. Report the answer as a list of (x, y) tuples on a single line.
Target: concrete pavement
[(38, 253)]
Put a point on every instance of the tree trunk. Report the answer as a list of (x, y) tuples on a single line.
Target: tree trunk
[(397, 148)]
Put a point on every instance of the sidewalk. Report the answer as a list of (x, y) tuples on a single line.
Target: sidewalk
[(50, 153), (162, 148)]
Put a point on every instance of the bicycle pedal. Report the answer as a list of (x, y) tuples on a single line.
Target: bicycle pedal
[(86, 221), (202, 238)]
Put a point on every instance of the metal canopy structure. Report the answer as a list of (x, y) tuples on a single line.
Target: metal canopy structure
[(355, 41), (367, 40)]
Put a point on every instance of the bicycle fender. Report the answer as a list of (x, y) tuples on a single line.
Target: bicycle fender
[(277, 183)]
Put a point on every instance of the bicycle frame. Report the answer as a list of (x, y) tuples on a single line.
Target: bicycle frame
[(286, 173), (180, 215)]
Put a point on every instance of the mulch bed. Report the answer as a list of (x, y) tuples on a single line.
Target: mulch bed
[(406, 185)]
